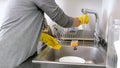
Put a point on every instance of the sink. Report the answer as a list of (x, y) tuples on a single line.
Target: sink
[(93, 56)]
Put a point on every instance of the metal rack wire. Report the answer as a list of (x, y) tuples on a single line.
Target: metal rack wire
[(78, 35)]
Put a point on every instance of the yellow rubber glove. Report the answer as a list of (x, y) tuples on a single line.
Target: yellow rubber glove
[(49, 41), (84, 19)]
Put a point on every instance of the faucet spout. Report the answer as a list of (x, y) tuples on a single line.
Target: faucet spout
[(97, 31)]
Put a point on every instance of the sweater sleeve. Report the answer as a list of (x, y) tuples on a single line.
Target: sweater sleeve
[(54, 12)]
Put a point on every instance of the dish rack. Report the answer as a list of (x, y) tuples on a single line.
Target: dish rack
[(66, 34)]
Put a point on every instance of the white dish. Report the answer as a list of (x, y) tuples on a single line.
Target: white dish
[(72, 59)]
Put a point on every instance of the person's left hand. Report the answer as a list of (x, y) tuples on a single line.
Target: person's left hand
[(84, 19)]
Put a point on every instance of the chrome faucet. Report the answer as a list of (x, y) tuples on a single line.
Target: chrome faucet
[(97, 31)]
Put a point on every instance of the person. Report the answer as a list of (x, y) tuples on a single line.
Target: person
[(22, 25)]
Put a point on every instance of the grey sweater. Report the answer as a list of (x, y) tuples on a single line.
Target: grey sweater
[(21, 27)]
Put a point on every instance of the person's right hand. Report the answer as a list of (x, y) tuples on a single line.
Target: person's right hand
[(84, 19), (49, 41)]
